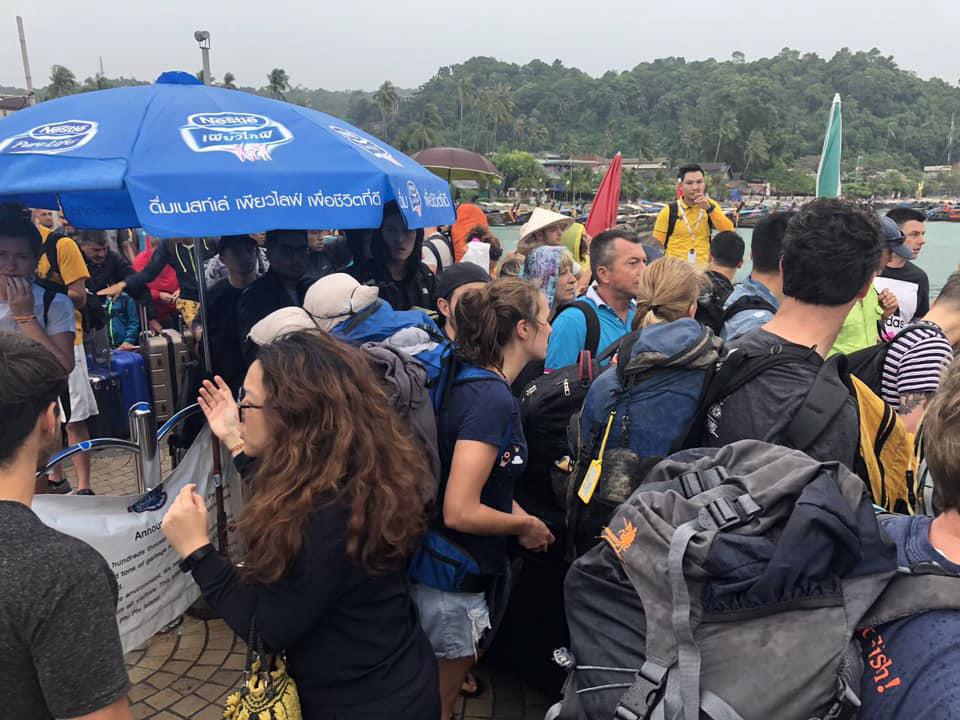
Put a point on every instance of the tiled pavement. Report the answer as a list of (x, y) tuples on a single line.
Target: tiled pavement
[(186, 672)]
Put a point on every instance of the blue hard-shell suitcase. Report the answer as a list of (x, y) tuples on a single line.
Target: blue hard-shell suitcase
[(132, 370)]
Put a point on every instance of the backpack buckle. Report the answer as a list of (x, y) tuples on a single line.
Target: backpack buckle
[(724, 514), (695, 482)]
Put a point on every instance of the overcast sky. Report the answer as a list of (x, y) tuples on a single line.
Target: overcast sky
[(361, 43)]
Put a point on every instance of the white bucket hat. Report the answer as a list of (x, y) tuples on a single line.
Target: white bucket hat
[(540, 219)]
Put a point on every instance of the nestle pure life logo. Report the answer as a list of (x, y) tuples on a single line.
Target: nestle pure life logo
[(246, 135), (416, 204), (51, 138), (368, 146)]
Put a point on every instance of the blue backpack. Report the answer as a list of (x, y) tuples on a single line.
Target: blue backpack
[(633, 415), (439, 562), (412, 331)]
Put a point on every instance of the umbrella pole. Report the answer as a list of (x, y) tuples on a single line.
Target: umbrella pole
[(198, 244)]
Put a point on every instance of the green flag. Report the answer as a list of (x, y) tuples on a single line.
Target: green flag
[(828, 174)]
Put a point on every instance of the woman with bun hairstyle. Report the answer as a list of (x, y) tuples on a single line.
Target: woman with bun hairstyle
[(500, 328)]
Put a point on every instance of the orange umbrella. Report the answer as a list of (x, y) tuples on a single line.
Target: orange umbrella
[(603, 212)]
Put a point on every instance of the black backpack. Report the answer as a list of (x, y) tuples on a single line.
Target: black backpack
[(867, 364), (534, 370), (710, 307), (93, 315)]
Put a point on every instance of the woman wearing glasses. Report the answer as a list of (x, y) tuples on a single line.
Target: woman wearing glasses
[(327, 535)]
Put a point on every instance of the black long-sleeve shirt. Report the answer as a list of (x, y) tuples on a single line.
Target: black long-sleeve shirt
[(183, 261), (353, 641)]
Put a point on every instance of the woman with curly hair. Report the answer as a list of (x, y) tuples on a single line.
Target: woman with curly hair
[(334, 514)]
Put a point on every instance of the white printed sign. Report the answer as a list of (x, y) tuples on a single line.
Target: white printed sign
[(126, 531)]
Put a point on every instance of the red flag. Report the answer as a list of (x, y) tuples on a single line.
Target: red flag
[(603, 212)]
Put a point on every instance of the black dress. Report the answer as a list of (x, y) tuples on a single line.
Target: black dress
[(352, 640)]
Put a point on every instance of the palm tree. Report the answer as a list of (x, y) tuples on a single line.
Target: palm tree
[(756, 150), (466, 93), (229, 81), (387, 101), (520, 129), (279, 82), (727, 129), (501, 107), (419, 136), (62, 82)]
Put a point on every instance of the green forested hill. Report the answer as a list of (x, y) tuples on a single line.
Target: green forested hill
[(749, 114), (759, 116)]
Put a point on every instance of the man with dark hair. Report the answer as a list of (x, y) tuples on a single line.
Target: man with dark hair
[(912, 663), (238, 253), (60, 653), (863, 326), (726, 257), (617, 259), (918, 356), (107, 267), (453, 282), (831, 252), (284, 284), (902, 277), (754, 302), (684, 226)]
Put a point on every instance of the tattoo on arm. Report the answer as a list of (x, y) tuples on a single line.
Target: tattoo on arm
[(912, 401)]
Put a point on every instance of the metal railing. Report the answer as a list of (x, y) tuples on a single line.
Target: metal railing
[(144, 443)]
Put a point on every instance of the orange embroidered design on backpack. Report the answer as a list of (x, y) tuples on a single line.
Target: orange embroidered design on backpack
[(621, 541)]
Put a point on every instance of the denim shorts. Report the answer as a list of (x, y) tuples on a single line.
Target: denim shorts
[(453, 622)]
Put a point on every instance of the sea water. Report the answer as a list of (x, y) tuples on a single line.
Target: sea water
[(939, 257)]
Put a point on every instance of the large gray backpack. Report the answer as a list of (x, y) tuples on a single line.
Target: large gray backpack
[(730, 586)]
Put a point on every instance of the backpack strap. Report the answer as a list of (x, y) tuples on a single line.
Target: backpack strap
[(353, 323), (823, 402), (625, 353), (747, 302), (436, 253), (50, 250), (593, 324), (913, 591), (673, 214)]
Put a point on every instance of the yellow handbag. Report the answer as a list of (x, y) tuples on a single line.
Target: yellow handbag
[(267, 693)]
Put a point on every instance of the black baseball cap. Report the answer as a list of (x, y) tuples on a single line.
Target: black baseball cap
[(458, 275)]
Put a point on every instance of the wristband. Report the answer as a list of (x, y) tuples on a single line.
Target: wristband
[(21, 319), (186, 565)]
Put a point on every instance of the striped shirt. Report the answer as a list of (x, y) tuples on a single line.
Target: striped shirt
[(915, 362)]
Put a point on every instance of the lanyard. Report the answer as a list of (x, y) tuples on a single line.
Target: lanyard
[(692, 230)]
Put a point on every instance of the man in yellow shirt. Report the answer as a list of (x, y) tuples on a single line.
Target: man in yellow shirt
[(70, 270), (684, 226)]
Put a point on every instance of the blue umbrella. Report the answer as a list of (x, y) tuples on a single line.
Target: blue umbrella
[(182, 159)]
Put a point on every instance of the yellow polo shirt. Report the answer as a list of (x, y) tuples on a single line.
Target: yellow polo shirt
[(72, 268), (694, 233)]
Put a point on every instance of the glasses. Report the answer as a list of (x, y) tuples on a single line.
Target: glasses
[(241, 405)]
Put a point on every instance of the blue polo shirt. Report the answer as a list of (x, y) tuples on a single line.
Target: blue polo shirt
[(569, 335), (748, 319)]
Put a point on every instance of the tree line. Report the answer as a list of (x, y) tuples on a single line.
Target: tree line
[(763, 117)]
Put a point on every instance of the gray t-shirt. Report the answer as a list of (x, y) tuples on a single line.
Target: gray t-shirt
[(763, 408), (60, 652)]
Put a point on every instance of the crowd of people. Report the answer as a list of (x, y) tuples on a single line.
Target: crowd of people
[(345, 518)]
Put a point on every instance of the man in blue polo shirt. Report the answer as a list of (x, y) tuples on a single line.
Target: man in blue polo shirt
[(618, 261)]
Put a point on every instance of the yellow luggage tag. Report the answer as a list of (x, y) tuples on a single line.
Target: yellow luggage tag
[(592, 477)]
